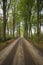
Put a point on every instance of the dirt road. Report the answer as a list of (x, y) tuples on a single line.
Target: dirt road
[(21, 52)]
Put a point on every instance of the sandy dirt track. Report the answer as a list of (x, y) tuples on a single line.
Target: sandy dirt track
[(20, 52)]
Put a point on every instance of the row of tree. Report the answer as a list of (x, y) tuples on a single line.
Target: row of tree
[(9, 26), (15, 11), (31, 12)]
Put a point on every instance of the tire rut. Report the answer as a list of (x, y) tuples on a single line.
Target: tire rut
[(9, 59), (28, 58)]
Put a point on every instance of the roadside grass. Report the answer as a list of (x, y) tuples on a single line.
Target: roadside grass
[(3, 43), (40, 45), (9, 39), (35, 42)]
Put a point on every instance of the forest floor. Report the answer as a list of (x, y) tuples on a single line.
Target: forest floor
[(21, 52)]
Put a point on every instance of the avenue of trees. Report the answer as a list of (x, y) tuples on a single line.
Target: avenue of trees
[(20, 17)]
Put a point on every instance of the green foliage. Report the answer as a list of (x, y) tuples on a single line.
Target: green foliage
[(24, 11)]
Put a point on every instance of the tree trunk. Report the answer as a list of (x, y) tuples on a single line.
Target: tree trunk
[(4, 19), (13, 26), (29, 29), (38, 22), (26, 28)]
